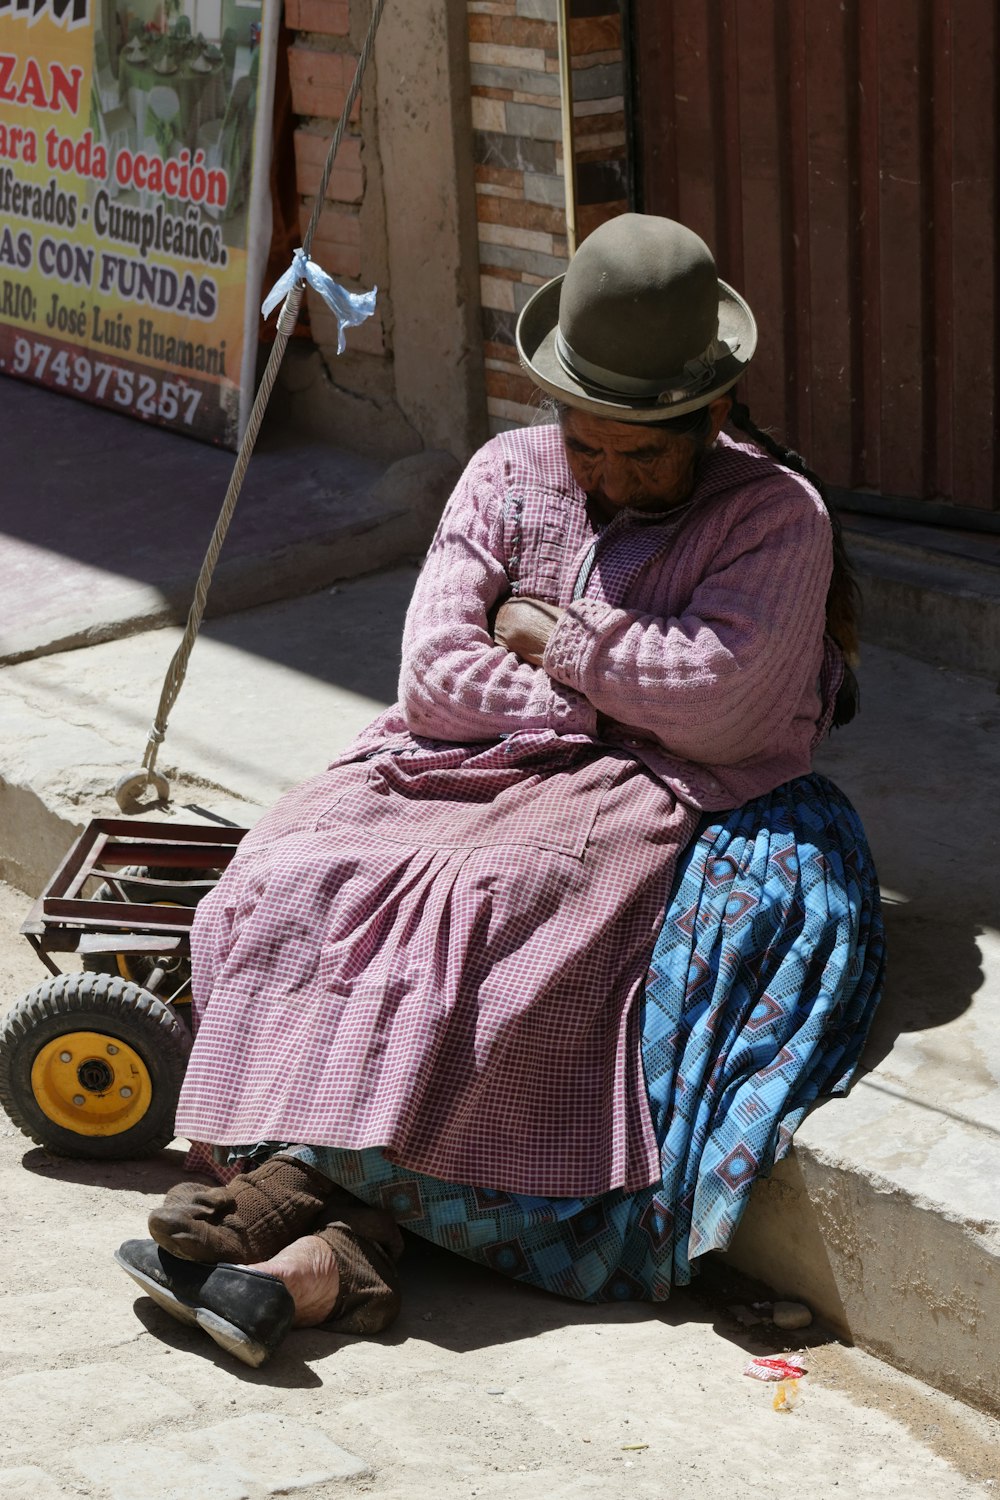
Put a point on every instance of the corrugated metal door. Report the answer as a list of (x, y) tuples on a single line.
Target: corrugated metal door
[(840, 157)]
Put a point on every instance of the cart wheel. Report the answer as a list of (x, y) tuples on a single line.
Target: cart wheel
[(137, 967), (92, 1066)]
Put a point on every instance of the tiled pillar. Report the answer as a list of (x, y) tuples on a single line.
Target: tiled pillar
[(517, 146), (596, 48)]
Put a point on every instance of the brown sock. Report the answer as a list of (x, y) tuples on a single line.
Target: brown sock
[(248, 1220), (367, 1244)]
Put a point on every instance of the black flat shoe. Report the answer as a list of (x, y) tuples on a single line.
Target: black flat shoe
[(246, 1312)]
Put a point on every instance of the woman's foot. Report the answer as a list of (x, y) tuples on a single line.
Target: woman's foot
[(245, 1312), (337, 1276), (252, 1218), (309, 1270)]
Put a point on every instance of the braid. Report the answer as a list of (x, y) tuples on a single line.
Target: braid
[(843, 597)]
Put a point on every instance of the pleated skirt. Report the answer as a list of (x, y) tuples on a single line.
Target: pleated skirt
[(759, 995)]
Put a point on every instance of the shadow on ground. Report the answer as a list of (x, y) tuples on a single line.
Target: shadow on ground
[(935, 970), (449, 1302), (452, 1304), (153, 1175), (124, 498)]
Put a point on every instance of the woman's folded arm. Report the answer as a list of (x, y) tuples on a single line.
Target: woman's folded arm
[(717, 682), (455, 682)]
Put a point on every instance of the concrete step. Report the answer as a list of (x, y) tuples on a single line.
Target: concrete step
[(886, 1218), (931, 591), (271, 694)]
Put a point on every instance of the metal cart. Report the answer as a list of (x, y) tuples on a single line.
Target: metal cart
[(91, 1062)]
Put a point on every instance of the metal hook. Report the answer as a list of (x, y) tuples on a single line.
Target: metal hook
[(130, 788)]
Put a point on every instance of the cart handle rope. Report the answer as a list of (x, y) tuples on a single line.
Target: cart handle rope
[(350, 308)]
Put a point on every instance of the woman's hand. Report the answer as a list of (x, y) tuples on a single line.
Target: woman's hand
[(524, 625)]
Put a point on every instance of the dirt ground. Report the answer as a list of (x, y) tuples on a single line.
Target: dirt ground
[(483, 1388)]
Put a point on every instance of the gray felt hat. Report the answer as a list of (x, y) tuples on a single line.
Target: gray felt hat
[(640, 328)]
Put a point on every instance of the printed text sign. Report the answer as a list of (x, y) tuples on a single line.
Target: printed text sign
[(131, 208)]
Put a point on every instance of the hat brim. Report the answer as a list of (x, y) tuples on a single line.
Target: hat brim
[(536, 345)]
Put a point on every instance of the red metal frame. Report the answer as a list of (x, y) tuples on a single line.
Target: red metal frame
[(64, 920)]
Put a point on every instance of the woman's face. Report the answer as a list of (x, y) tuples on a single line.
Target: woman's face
[(623, 465)]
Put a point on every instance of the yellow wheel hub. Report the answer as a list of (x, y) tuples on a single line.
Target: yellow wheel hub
[(91, 1083)]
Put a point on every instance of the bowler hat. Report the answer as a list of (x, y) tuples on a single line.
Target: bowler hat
[(640, 328)]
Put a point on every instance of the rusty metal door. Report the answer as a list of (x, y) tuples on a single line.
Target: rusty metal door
[(840, 157)]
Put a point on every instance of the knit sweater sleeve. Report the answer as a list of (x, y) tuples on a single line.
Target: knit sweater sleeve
[(455, 682), (720, 681)]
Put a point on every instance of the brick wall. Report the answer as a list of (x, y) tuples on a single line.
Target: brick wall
[(518, 154), (518, 149), (321, 63)]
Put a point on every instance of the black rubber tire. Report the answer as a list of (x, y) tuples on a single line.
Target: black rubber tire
[(119, 1010)]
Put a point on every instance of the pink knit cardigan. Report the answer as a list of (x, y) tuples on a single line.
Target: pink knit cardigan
[(710, 664)]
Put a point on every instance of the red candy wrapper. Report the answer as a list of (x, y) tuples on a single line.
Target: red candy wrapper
[(778, 1367)]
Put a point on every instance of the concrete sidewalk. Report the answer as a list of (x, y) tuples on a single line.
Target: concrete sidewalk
[(887, 1217), (105, 521)]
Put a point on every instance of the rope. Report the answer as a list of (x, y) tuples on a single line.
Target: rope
[(287, 320), (352, 94)]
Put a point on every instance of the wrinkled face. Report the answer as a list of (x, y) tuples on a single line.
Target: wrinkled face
[(623, 465)]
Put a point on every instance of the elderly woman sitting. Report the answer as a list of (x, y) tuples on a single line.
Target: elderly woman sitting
[(550, 963)]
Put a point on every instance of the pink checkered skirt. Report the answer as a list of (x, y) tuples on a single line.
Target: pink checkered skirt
[(439, 952)]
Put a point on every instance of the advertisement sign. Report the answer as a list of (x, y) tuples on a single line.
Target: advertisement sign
[(134, 202)]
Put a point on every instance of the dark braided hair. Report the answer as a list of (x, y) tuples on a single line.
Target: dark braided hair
[(843, 597)]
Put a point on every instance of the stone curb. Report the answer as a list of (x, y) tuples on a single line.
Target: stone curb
[(927, 602), (393, 519)]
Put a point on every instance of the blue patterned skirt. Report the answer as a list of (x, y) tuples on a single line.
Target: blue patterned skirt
[(761, 989)]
